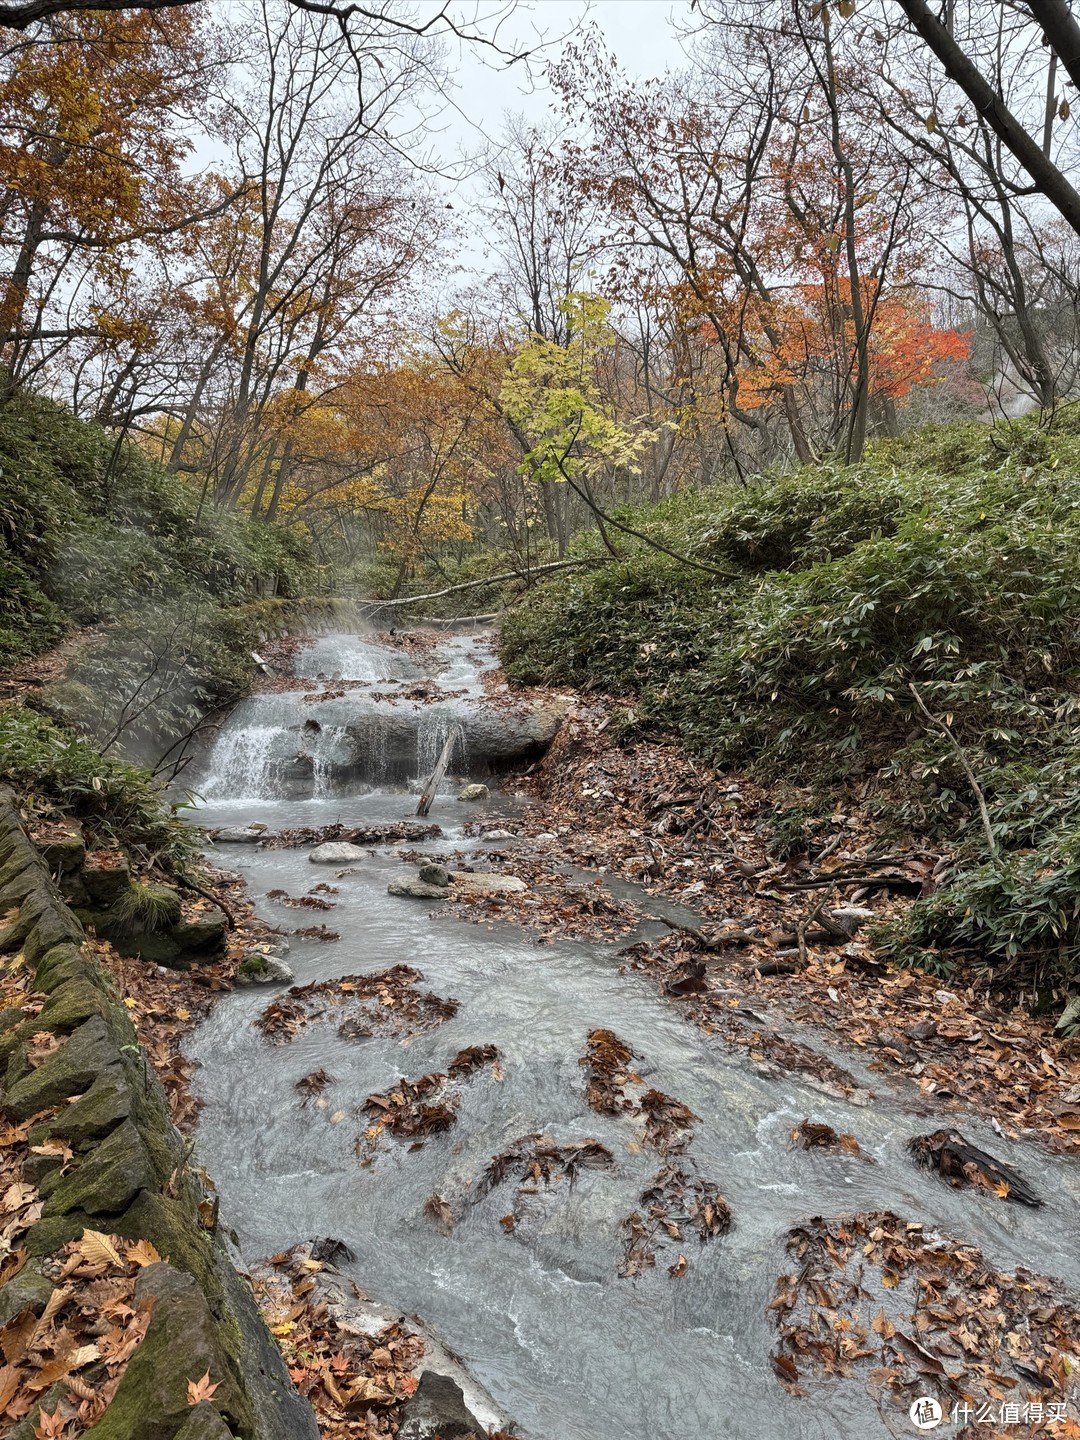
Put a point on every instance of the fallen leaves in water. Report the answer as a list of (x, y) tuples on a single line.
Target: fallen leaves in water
[(920, 1313), (961, 1163), (812, 1136), (313, 1084), (307, 902), (384, 1003), (675, 1205), (391, 832), (422, 1107), (356, 1378), (533, 1161), (317, 932), (608, 1063)]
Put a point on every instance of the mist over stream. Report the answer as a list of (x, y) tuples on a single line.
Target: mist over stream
[(538, 1314)]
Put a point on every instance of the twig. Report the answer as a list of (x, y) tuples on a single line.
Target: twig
[(965, 764), (208, 895)]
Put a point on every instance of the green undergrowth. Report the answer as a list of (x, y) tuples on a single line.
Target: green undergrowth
[(948, 561), (50, 767), (94, 532)]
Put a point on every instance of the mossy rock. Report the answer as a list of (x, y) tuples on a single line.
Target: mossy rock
[(204, 1423), (108, 1179), (64, 963), (153, 949), (67, 1071), (105, 883), (56, 926), (202, 936), (72, 1003), (64, 854), (180, 1345), (28, 1288), (101, 1109)]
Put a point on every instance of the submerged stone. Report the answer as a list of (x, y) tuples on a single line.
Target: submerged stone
[(338, 852)]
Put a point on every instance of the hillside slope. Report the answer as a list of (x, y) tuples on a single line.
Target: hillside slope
[(906, 631)]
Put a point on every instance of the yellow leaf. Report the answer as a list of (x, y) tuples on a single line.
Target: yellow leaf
[(130, 1002), (98, 1248)]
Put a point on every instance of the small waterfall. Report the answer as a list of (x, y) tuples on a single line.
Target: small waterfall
[(377, 717)]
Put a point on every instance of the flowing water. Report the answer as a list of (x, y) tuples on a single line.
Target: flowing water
[(539, 1314)]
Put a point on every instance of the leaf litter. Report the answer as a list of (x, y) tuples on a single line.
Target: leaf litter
[(387, 1002)]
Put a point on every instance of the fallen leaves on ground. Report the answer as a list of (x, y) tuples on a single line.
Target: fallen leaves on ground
[(356, 1382), (685, 832), (83, 1339), (385, 1003)]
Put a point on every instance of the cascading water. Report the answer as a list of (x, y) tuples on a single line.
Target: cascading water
[(537, 1308)]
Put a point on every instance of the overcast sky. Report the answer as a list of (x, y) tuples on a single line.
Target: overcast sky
[(638, 31)]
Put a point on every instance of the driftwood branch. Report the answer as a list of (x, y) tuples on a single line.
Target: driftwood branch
[(527, 576)]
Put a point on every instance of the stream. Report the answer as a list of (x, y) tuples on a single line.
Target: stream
[(538, 1313)]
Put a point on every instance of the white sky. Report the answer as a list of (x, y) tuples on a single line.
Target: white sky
[(638, 31)]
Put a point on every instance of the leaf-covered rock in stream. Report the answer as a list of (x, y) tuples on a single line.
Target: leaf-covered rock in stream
[(675, 1206), (811, 1135), (608, 1063), (387, 1002), (421, 1107), (961, 1163)]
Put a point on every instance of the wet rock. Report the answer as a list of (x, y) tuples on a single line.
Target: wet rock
[(238, 835), (438, 1409), (498, 835), (331, 1251), (467, 884), (417, 889), (961, 1163), (337, 853), (435, 875), (473, 792), (263, 968), (545, 835)]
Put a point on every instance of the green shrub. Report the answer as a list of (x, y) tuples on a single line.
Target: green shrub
[(948, 561), (118, 801)]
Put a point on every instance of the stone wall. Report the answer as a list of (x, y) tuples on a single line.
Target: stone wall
[(129, 1177)]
